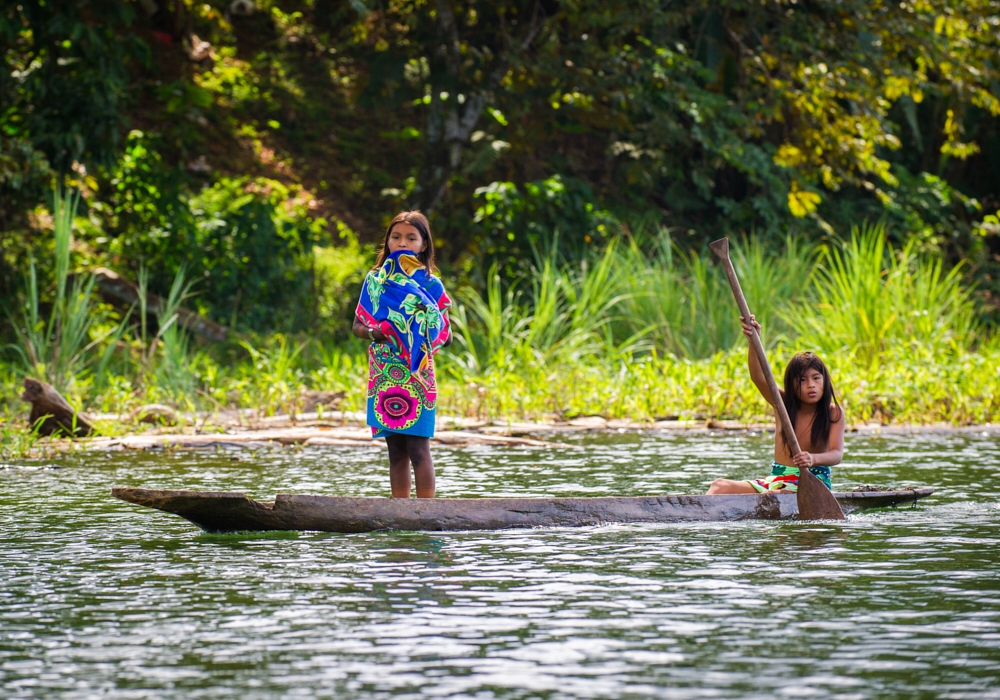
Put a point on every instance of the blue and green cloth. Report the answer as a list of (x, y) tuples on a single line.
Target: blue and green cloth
[(407, 304)]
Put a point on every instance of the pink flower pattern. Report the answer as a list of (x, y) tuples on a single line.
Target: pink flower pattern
[(399, 397), (398, 408)]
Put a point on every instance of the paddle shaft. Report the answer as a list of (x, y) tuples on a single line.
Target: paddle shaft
[(758, 347)]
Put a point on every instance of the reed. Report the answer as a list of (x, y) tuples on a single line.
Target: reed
[(173, 371), (681, 301), (866, 296), (61, 348), (672, 337), (164, 363), (566, 315)]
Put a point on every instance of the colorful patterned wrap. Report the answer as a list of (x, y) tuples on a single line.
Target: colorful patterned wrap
[(785, 478), (406, 303)]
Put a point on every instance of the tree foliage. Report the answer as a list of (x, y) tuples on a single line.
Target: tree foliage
[(66, 71), (711, 116)]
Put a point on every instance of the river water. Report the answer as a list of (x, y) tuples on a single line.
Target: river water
[(103, 598)]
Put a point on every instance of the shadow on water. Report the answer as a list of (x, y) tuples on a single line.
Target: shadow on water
[(245, 538), (803, 538)]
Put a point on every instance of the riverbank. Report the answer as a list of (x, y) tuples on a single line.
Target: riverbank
[(249, 430), (911, 388), (908, 386)]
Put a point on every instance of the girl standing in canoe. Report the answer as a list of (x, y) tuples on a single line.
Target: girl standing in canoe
[(817, 418), (403, 311)]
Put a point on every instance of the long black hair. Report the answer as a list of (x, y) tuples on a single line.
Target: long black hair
[(417, 220), (797, 367)]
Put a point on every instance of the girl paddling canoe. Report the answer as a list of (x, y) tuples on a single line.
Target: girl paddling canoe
[(815, 414), (403, 311)]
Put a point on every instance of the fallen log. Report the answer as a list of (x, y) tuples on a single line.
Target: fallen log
[(154, 413), (51, 412), (310, 437), (115, 288)]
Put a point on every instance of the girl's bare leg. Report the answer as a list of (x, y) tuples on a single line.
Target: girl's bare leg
[(419, 451), (720, 486), (399, 465)]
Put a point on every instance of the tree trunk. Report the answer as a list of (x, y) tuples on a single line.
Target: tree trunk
[(55, 414), (114, 287), (449, 123)]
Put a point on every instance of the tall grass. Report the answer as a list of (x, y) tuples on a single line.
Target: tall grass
[(276, 377), (684, 302), (866, 296), (622, 301), (857, 295), (173, 371), (61, 347), (165, 360), (666, 315), (566, 315)]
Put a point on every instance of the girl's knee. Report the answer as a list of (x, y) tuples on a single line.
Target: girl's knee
[(720, 486), (419, 449)]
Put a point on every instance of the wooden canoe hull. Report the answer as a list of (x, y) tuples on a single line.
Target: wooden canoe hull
[(221, 511)]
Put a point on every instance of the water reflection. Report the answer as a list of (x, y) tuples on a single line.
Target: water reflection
[(102, 598), (808, 539)]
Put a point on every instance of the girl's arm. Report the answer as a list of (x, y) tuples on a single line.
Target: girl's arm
[(361, 330), (835, 445), (756, 373)]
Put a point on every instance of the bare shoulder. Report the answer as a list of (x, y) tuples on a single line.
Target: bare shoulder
[(836, 413)]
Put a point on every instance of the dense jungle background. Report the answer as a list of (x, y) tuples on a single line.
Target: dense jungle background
[(240, 159)]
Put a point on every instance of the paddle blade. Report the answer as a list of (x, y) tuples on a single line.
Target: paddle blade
[(720, 248), (815, 500)]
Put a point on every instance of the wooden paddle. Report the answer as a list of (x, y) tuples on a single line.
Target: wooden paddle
[(814, 498)]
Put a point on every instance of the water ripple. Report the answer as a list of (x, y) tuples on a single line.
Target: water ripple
[(103, 598)]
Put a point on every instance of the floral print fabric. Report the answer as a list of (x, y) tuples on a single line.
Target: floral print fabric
[(404, 301)]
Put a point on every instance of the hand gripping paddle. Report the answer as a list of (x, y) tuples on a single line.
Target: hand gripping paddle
[(814, 498)]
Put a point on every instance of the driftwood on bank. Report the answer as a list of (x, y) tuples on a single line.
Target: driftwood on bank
[(55, 414), (154, 413), (115, 288), (316, 436)]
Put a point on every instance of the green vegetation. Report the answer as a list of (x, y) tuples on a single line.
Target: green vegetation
[(61, 348), (240, 160), (15, 442), (647, 336), (235, 143), (622, 333)]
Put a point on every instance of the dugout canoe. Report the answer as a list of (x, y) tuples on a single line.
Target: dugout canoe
[(223, 511)]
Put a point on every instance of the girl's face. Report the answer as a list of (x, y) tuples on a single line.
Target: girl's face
[(811, 386), (405, 237)]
